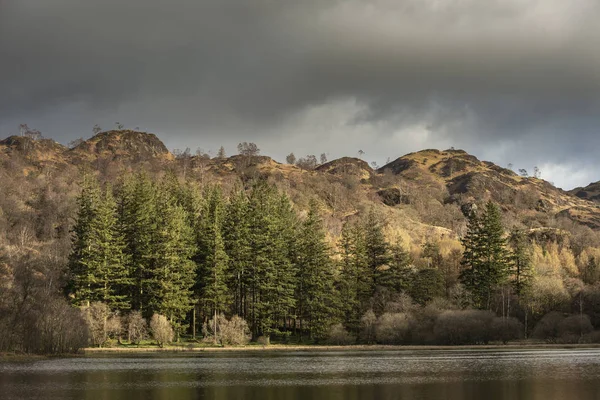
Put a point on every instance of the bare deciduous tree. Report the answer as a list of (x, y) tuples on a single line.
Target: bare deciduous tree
[(161, 328)]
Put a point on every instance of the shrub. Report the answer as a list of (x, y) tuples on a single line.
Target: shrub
[(547, 327), (463, 327), (161, 328), (367, 326), (54, 327), (137, 328), (96, 317), (393, 328), (233, 332), (506, 329), (572, 328), (338, 335)]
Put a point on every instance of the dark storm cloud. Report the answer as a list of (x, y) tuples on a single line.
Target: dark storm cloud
[(509, 80)]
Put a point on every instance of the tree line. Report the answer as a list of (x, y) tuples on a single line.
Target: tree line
[(188, 254)]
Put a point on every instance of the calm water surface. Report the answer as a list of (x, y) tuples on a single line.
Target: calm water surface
[(532, 374)]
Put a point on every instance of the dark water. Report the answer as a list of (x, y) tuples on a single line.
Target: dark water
[(535, 374)]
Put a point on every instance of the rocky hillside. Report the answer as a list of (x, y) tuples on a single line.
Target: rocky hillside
[(422, 195), (465, 180)]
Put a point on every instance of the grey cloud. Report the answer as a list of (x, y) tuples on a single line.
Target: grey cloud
[(515, 81)]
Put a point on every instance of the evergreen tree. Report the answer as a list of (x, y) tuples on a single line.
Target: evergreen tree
[(173, 271), (520, 261), (396, 276), (317, 301), (376, 249), (236, 235), (138, 220), (271, 276), (355, 283), (97, 262), (486, 257), (212, 277)]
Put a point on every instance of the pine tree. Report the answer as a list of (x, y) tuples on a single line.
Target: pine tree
[(355, 283), (486, 257), (173, 272), (520, 261), (397, 274), (97, 262), (376, 248), (317, 300), (212, 277), (236, 235), (271, 276), (138, 220)]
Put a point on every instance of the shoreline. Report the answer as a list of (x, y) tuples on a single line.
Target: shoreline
[(332, 348), (275, 348)]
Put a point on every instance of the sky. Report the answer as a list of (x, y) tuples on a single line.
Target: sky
[(510, 81)]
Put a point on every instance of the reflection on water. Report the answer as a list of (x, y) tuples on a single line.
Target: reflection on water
[(534, 374)]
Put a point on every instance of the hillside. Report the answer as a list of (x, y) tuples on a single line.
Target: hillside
[(429, 188), (390, 237)]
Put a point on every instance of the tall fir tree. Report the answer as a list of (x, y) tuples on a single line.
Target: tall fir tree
[(317, 300), (376, 248), (173, 272), (138, 221), (271, 276), (356, 278), (485, 257), (97, 263), (521, 269), (212, 273), (236, 236), (397, 274)]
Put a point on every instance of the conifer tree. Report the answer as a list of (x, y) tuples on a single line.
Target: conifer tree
[(97, 262), (317, 300), (397, 274), (376, 248), (138, 220), (236, 236), (212, 274), (486, 257), (520, 261), (172, 274), (271, 277), (355, 277)]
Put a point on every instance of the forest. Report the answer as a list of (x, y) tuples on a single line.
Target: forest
[(101, 256)]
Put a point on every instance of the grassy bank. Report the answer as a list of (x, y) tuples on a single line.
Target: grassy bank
[(301, 348)]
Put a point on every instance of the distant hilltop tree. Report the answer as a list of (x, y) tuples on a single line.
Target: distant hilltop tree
[(248, 149), (221, 153), (291, 159), (30, 133), (96, 129)]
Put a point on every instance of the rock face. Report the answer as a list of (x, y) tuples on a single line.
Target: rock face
[(464, 179), (138, 146), (590, 192), (347, 166)]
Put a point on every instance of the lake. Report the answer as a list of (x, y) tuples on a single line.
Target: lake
[(432, 374)]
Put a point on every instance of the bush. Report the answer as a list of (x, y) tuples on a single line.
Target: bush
[(54, 327), (137, 328), (506, 329), (463, 327), (547, 327), (233, 332), (393, 328), (367, 326), (96, 317), (572, 328), (338, 335), (161, 328)]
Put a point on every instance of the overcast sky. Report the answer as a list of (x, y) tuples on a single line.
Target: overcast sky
[(510, 81)]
